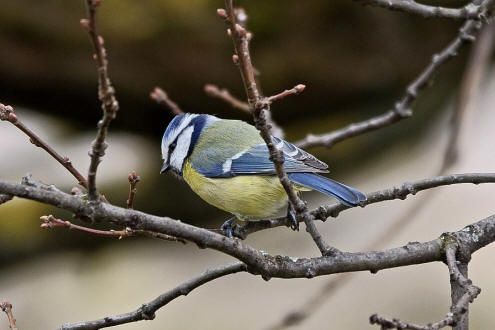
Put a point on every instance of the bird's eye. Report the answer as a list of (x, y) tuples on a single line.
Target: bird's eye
[(173, 145)]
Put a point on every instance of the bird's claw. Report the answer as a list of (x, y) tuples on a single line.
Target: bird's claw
[(227, 227), (291, 215)]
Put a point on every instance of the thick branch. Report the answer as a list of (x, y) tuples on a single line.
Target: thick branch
[(106, 94), (470, 11), (403, 108), (147, 311), (471, 238), (7, 114)]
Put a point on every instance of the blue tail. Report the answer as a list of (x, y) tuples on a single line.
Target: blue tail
[(343, 193)]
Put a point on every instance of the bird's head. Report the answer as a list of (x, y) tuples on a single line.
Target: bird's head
[(180, 137)]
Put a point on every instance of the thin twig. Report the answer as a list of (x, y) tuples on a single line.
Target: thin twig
[(50, 221), (224, 95), (7, 113), (241, 18), (401, 191), (258, 105), (293, 91), (7, 308), (133, 180), (147, 311), (106, 94), (469, 11), (403, 108), (159, 96)]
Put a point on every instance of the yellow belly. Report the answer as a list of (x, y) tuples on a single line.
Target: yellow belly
[(248, 197)]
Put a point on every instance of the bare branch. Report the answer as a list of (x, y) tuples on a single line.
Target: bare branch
[(402, 109), (471, 238), (224, 95), (293, 91), (258, 105), (159, 96), (396, 192), (106, 94), (133, 180), (470, 11), (147, 311), (7, 308), (50, 221), (7, 113)]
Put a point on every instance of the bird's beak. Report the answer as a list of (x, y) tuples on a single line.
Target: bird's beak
[(164, 168)]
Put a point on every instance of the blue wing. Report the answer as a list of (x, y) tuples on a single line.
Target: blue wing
[(300, 166), (343, 193), (256, 160)]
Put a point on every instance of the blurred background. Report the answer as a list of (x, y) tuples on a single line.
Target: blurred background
[(355, 62)]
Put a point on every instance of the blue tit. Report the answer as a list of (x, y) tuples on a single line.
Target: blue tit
[(226, 162)]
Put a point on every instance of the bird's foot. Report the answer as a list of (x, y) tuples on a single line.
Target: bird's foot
[(227, 227), (291, 215)]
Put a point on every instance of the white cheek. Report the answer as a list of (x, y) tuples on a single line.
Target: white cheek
[(180, 152)]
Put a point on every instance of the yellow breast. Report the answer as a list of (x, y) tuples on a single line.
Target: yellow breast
[(245, 196)]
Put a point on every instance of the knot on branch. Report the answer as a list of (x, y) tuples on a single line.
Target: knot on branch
[(146, 313), (320, 213), (461, 251), (98, 149), (7, 113)]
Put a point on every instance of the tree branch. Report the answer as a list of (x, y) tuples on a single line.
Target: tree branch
[(224, 95), (147, 311), (7, 308), (133, 180), (403, 108), (50, 221), (106, 94), (471, 238), (159, 96), (7, 114), (258, 105), (470, 11)]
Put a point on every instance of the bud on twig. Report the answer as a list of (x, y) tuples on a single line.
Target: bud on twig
[(235, 59), (222, 13)]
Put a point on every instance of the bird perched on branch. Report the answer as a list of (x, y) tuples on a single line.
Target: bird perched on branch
[(227, 163)]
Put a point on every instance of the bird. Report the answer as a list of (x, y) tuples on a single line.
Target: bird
[(227, 163)]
